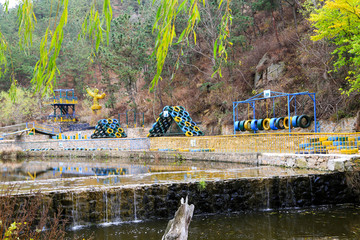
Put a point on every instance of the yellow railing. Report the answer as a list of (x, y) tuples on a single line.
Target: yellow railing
[(61, 101), (47, 129), (301, 143)]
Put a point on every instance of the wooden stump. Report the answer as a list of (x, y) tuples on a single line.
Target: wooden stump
[(177, 228)]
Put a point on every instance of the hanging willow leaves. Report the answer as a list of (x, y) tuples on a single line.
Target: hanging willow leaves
[(108, 16), (97, 23), (45, 69), (165, 27), (3, 49), (92, 25), (6, 6), (26, 20), (222, 43)]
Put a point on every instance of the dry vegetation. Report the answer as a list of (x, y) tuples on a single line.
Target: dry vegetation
[(28, 217), (12, 153)]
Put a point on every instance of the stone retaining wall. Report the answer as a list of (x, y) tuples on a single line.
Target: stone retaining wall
[(140, 202), (141, 146), (60, 145), (326, 162)]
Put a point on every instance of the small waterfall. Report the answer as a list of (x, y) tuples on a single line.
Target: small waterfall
[(105, 198), (311, 190), (292, 193), (267, 190), (118, 205), (135, 218), (75, 211)]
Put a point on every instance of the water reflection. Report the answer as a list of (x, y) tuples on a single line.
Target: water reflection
[(76, 174), (32, 169)]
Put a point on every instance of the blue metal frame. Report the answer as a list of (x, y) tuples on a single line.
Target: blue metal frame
[(290, 96)]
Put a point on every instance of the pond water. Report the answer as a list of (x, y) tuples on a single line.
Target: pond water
[(341, 222), (72, 174)]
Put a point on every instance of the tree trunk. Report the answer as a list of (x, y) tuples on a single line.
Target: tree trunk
[(177, 228), (255, 26), (275, 28), (281, 12), (162, 105), (295, 19)]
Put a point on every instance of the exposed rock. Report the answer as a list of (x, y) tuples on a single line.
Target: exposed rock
[(260, 68), (177, 228), (301, 163), (267, 71), (274, 71), (337, 164)]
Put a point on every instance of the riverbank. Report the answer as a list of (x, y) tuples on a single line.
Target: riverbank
[(264, 149), (329, 162)]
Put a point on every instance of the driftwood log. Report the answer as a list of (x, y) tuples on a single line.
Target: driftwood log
[(177, 228)]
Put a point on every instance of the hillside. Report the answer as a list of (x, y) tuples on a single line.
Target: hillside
[(285, 60)]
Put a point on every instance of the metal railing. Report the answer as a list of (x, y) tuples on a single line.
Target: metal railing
[(62, 100), (47, 128), (16, 127), (299, 143)]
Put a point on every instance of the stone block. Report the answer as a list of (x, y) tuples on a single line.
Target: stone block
[(290, 162), (301, 163), (337, 164)]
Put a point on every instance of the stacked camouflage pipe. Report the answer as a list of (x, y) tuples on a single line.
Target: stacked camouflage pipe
[(180, 116), (108, 128)]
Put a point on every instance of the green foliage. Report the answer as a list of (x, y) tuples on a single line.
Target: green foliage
[(26, 20), (3, 50), (222, 43), (240, 23), (202, 185), (129, 54), (308, 8), (211, 86), (22, 109), (165, 26), (338, 21), (6, 5), (267, 5), (46, 69), (92, 25)]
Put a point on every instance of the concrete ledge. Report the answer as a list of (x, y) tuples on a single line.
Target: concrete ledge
[(316, 161)]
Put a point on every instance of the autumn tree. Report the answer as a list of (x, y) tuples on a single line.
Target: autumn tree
[(338, 22)]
